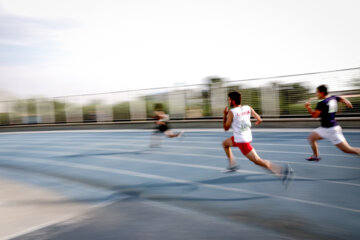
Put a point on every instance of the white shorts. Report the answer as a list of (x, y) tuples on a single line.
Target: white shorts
[(334, 134)]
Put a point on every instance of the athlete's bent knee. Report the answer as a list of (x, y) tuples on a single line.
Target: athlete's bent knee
[(311, 138)]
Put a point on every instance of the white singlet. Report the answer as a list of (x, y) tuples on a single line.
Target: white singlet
[(165, 118), (241, 124)]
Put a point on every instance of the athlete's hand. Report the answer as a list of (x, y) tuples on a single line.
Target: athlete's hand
[(349, 105), (307, 105), (258, 122)]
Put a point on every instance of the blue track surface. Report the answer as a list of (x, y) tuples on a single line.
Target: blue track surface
[(322, 201)]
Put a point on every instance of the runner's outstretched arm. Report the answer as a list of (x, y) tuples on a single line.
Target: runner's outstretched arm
[(256, 116), (314, 114), (347, 102)]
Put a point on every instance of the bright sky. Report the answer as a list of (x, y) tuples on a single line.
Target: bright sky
[(67, 47)]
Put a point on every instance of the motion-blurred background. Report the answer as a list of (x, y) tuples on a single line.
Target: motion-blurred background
[(274, 97), (103, 61)]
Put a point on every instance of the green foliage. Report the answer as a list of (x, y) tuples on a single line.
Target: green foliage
[(31, 106), (298, 109), (355, 101), (89, 113), (214, 81), (249, 96), (4, 119), (60, 114), (206, 107), (121, 111), (290, 95)]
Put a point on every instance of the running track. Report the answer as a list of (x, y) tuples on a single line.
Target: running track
[(183, 181)]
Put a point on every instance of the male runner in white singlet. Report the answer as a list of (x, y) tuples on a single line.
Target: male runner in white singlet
[(238, 118)]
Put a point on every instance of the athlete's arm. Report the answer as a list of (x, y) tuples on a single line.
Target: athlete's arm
[(314, 114), (347, 102), (228, 117), (159, 116), (256, 116)]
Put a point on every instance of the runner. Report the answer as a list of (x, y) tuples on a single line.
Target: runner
[(326, 109), (238, 117), (162, 127)]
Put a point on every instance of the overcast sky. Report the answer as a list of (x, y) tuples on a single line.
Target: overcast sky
[(67, 47)]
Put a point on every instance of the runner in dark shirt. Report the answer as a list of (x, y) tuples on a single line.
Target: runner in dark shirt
[(162, 127), (326, 109)]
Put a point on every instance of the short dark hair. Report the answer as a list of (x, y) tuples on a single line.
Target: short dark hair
[(236, 96), (322, 89), (158, 107)]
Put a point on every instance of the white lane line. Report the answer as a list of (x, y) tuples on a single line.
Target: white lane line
[(211, 148), (148, 161), (205, 142), (222, 156), (52, 153), (147, 135), (101, 138), (78, 131), (210, 130), (71, 154), (98, 139), (221, 138), (176, 180), (219, 146)]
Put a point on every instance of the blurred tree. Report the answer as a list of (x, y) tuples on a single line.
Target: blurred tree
[(4, 119), (215, 81), (291, 94), (89, 113), (121, 111), (60, 114), (206, 93), (31, 106)]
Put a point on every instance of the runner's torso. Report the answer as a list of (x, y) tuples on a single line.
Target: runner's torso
[(328, 108), (241, 124)]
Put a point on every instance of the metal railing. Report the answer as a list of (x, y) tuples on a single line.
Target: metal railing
[(282, 96)]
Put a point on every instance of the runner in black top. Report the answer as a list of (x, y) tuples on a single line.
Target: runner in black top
[(162, 127), (326, 109)]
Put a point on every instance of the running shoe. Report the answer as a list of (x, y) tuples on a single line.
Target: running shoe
[(231, 169), (287, 175), (313, 158)]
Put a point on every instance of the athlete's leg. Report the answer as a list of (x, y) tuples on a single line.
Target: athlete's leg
[(313, 137), (345, 147), (170, 134), (273, 168), (155, 140), (226, 145)]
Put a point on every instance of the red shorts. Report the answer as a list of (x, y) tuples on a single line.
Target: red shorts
[(245, 148)]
